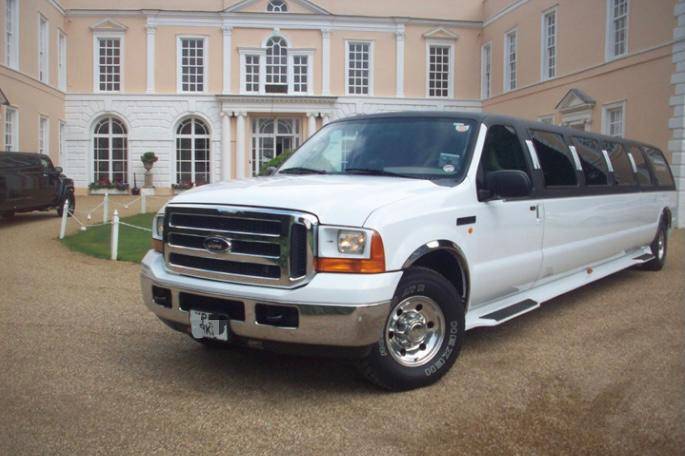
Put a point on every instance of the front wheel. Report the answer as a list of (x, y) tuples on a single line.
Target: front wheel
[(422, 334), (72, 206)]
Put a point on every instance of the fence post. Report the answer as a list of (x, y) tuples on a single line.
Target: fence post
[(65, 214), (143, 203), (115, 235), (105, 208)]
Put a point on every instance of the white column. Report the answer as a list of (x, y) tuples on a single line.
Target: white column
[(241, 156), (228, 31), (325, 62), (677, 123), (226, 146), (311, 123), (399, 61), (325, 119), (151, 29)]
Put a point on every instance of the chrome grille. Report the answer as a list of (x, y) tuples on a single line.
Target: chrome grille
[(267, 247)]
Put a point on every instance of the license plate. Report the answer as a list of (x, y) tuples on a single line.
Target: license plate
[(206, 325)]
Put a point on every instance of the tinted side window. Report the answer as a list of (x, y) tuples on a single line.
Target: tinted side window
[(555, 159), (623, 170), (644, 176), (660, 166), (592, 160), (502, 150)]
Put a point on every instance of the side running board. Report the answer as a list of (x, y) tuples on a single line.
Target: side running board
[(644, 258), (507, 312)]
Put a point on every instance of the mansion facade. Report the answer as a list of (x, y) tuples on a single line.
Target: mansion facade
[(216, 88)]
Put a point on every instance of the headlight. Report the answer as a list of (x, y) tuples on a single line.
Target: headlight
[(158, 226), (350, 250), (342, 242)]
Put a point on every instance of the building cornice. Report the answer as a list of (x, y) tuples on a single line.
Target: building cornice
[(271, 20), (504, 11)]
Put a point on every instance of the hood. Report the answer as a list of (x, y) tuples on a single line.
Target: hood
[(334, 199)]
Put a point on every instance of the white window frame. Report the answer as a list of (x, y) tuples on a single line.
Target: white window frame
[(97, 36), (14, 133), (292, 53), (179, 61), (282, 8), (12, 54), (544, 48), (43, 49), (261, 53), (507, 74), (605, 117), (62, 60), (450, 68), (610, 35), (347, 68), (486, 86), (43, 135)]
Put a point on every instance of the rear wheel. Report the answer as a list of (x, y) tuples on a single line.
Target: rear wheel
[(659, 249), (422, 334)]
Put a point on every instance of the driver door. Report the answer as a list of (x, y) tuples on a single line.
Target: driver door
[(508, 238)]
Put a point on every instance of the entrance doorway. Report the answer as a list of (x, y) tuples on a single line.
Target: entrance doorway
[(271, 137)]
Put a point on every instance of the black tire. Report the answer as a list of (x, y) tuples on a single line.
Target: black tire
[(659, 252), (7, 214), (381, 367), (72, 206)]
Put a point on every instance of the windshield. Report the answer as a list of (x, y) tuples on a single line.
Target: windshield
[(425, 148)]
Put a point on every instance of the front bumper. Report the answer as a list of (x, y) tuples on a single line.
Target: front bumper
[(345, 310)]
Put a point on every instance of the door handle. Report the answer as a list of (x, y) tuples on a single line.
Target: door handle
[(536, 209)]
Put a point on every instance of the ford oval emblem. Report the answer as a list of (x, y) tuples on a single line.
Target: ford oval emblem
[(217, 245)]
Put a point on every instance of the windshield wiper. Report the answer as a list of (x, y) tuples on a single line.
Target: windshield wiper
[(375, 172), (301, 170)]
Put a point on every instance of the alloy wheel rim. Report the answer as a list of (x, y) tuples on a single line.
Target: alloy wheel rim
[(415, 331)]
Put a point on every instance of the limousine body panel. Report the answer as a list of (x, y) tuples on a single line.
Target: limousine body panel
[(578, 208)]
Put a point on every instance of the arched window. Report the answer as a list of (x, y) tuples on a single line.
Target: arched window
[(110, 151), (277, 6), (192, 152), (276, 65)]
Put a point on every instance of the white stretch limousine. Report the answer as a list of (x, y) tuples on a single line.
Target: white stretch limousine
[(390, 235)]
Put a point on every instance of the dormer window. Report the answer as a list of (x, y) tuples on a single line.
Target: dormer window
[(277, 6)]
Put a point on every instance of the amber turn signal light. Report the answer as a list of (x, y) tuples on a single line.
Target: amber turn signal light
[(372, 265), (157, 245)]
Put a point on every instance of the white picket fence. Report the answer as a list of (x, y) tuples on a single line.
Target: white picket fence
[(115, 220)]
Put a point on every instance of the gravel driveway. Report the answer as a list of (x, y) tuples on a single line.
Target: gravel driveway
[(86, 369)]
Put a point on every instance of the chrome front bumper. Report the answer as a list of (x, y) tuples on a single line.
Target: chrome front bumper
[(346, 310)]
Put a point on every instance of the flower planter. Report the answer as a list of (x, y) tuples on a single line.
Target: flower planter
[(111, 191)]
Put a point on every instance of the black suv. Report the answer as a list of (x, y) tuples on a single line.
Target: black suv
[(29, 182)]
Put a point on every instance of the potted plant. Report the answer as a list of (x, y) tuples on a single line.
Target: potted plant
[(104, 185), (148, 159)]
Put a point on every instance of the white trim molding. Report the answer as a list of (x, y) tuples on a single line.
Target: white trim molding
[(325, 61), (677, 122), (151, 30), (486, 68), (399, 61), (227, 33)]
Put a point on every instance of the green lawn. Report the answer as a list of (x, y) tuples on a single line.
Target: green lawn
[(133, 243)]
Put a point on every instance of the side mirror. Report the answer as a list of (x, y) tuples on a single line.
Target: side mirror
[(59, 170), (271, 170), (508, 183)]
